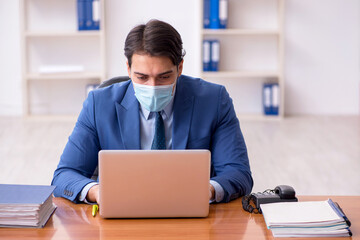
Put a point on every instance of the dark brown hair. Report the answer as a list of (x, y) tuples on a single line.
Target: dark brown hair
[(155, 38)]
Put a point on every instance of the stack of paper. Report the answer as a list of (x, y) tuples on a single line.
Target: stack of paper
[(25, 205), (306, 219)]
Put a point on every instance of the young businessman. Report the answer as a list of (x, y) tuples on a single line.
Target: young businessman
[(190, 113)]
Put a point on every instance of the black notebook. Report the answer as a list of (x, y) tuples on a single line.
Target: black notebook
[(25, 205)]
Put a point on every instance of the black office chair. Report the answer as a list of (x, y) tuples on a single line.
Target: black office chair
[(113, 80), (102, 85)]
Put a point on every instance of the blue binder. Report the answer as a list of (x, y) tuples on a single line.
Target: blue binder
[(95, 16), (267, 98), (275, 99), (215, 55), (206, 55), (206, 14), (24, 194), (214, 14), (271, 98), (88, 15), (223, 13), (81, 14)]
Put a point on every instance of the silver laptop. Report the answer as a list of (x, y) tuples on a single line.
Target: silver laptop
[(154, 183)]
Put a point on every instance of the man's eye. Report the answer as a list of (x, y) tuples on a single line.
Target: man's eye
[(142, 77), (165, 77)]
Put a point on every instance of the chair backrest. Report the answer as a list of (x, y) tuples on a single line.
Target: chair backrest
[(113, 80)]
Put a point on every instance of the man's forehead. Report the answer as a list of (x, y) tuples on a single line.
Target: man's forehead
[(148, 57), (146, 64)]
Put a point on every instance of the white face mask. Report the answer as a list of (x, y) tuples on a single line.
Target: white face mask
[(154, 98)]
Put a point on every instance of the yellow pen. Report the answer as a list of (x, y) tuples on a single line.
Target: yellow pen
[(95, 209)]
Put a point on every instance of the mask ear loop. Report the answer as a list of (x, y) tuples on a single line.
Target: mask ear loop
[(175, 83)]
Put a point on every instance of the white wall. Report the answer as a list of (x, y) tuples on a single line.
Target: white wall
[(322, 57), (321, 39), (122, 16)]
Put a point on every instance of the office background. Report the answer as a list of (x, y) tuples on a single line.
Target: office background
[(316, 148)]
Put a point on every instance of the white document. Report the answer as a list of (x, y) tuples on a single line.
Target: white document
[(318, 213)]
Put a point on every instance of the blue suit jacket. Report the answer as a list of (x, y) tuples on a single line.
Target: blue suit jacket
[(204, 118)]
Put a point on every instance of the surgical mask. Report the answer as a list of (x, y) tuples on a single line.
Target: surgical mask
[(153, 98)]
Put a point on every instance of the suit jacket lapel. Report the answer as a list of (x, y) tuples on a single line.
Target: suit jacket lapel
[(183, 110), (128, 117)]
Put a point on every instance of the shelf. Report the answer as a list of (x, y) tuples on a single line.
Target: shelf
[(50, 38), (64, 76), (240, 74), (240, 32), (251, 54), (64, 34)]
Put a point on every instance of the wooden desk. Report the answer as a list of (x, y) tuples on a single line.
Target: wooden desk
[(226, 221)]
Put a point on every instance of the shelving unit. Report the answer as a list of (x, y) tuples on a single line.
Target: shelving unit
[(50, 38), (251, 53)]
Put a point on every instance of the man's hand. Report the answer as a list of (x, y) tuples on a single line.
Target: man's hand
[(93, 194), (211, 192)]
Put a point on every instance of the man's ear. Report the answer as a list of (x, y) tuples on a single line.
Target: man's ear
[(180, 67), (128, 69)]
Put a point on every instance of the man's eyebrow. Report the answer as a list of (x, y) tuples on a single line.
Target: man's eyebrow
[(167, 72), (140, 73), (163, 73)]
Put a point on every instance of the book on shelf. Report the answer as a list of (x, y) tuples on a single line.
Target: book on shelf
[(215, 55), (211, 55), (25, 205), (215, 14), (206, 55), (96, 14), (223, 14), (271, 98), (88, 13), (306, 219), (81, 14), (206, 14)]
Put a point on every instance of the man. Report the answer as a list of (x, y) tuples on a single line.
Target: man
[(194, 114)]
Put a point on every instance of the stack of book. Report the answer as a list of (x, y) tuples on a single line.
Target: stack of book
[(306, 219), (25, 205)]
